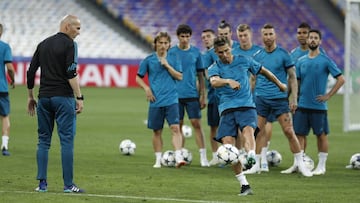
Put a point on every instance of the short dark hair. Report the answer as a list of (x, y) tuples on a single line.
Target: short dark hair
[(209, 30), (1, 29), (304, 25), (268, 26), (183, 29), (220, 41), (223, 24), (316, 31)]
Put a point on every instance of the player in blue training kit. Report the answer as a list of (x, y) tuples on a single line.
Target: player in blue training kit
[(213, 117), (247, 48), (302, 34), (229, 75), (269, 100), (191, 98), (5, 60), (163, 70), (312, 71)]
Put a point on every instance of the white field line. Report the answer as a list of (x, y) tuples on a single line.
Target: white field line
[(119, 197)]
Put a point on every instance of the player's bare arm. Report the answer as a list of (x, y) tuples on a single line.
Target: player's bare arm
[(148, 93), (270, 76), (216, 82), (174, 73), (201, 79), (294, 88), (340, 80)]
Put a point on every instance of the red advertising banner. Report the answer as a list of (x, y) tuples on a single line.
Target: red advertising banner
[(91, 74)]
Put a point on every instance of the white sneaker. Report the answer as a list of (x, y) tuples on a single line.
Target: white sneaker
[(214, 162), (204, 163), (318, 171), (349, 166), (264, 167), (157, 165), (253, 170), (292, 169), (304, 170)]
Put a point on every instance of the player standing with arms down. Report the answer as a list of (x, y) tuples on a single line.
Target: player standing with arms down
[(213, 117), (229, 75), (191, 99), (312, 73), (163, 70), (269, 100), (5, 60), (57, 57)]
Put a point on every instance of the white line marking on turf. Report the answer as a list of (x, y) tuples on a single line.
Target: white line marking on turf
[(119, 196)]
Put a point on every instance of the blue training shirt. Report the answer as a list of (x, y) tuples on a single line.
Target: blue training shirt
[(313, 76), (237, 70), (191, 63), (250, 52), (5, 57), (297, 52), (209, 57), (277, 61), (162, 84)]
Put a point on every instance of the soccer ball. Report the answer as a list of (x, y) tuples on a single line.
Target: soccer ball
[(187, 155), (273, 157), (127, 147), (227, 154), (168, 158), (355, 161), (186, 130), (309, 163)]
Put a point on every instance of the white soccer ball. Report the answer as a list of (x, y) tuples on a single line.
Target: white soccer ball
[(355, 161), (186, 130), (168, 158), (127, 147), (227, 154), (273, 157), (187, 155), (309, 163)]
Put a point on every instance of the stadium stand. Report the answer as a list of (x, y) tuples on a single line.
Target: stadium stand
[(149, 17), (28, 22)]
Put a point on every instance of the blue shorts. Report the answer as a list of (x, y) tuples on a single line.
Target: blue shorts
[(268, 107), (304, 119), (192, 108), (232, 121), (157, 116), (213, 117), (4, 106)]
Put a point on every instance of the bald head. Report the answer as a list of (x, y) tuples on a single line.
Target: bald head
[(70, 25)]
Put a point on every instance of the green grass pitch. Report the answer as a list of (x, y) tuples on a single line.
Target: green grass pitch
[(111, 115)]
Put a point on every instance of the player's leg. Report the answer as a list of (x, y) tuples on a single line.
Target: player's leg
[(172, 117), (45, 117), (302, 128), (213, 121), (194, 112), (5, 112), (227, 132), (321, 129), (181, 110), (66, 127), (156, 116), (285, 122)]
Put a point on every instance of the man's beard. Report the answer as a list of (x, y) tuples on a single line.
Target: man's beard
[(313, 47)]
